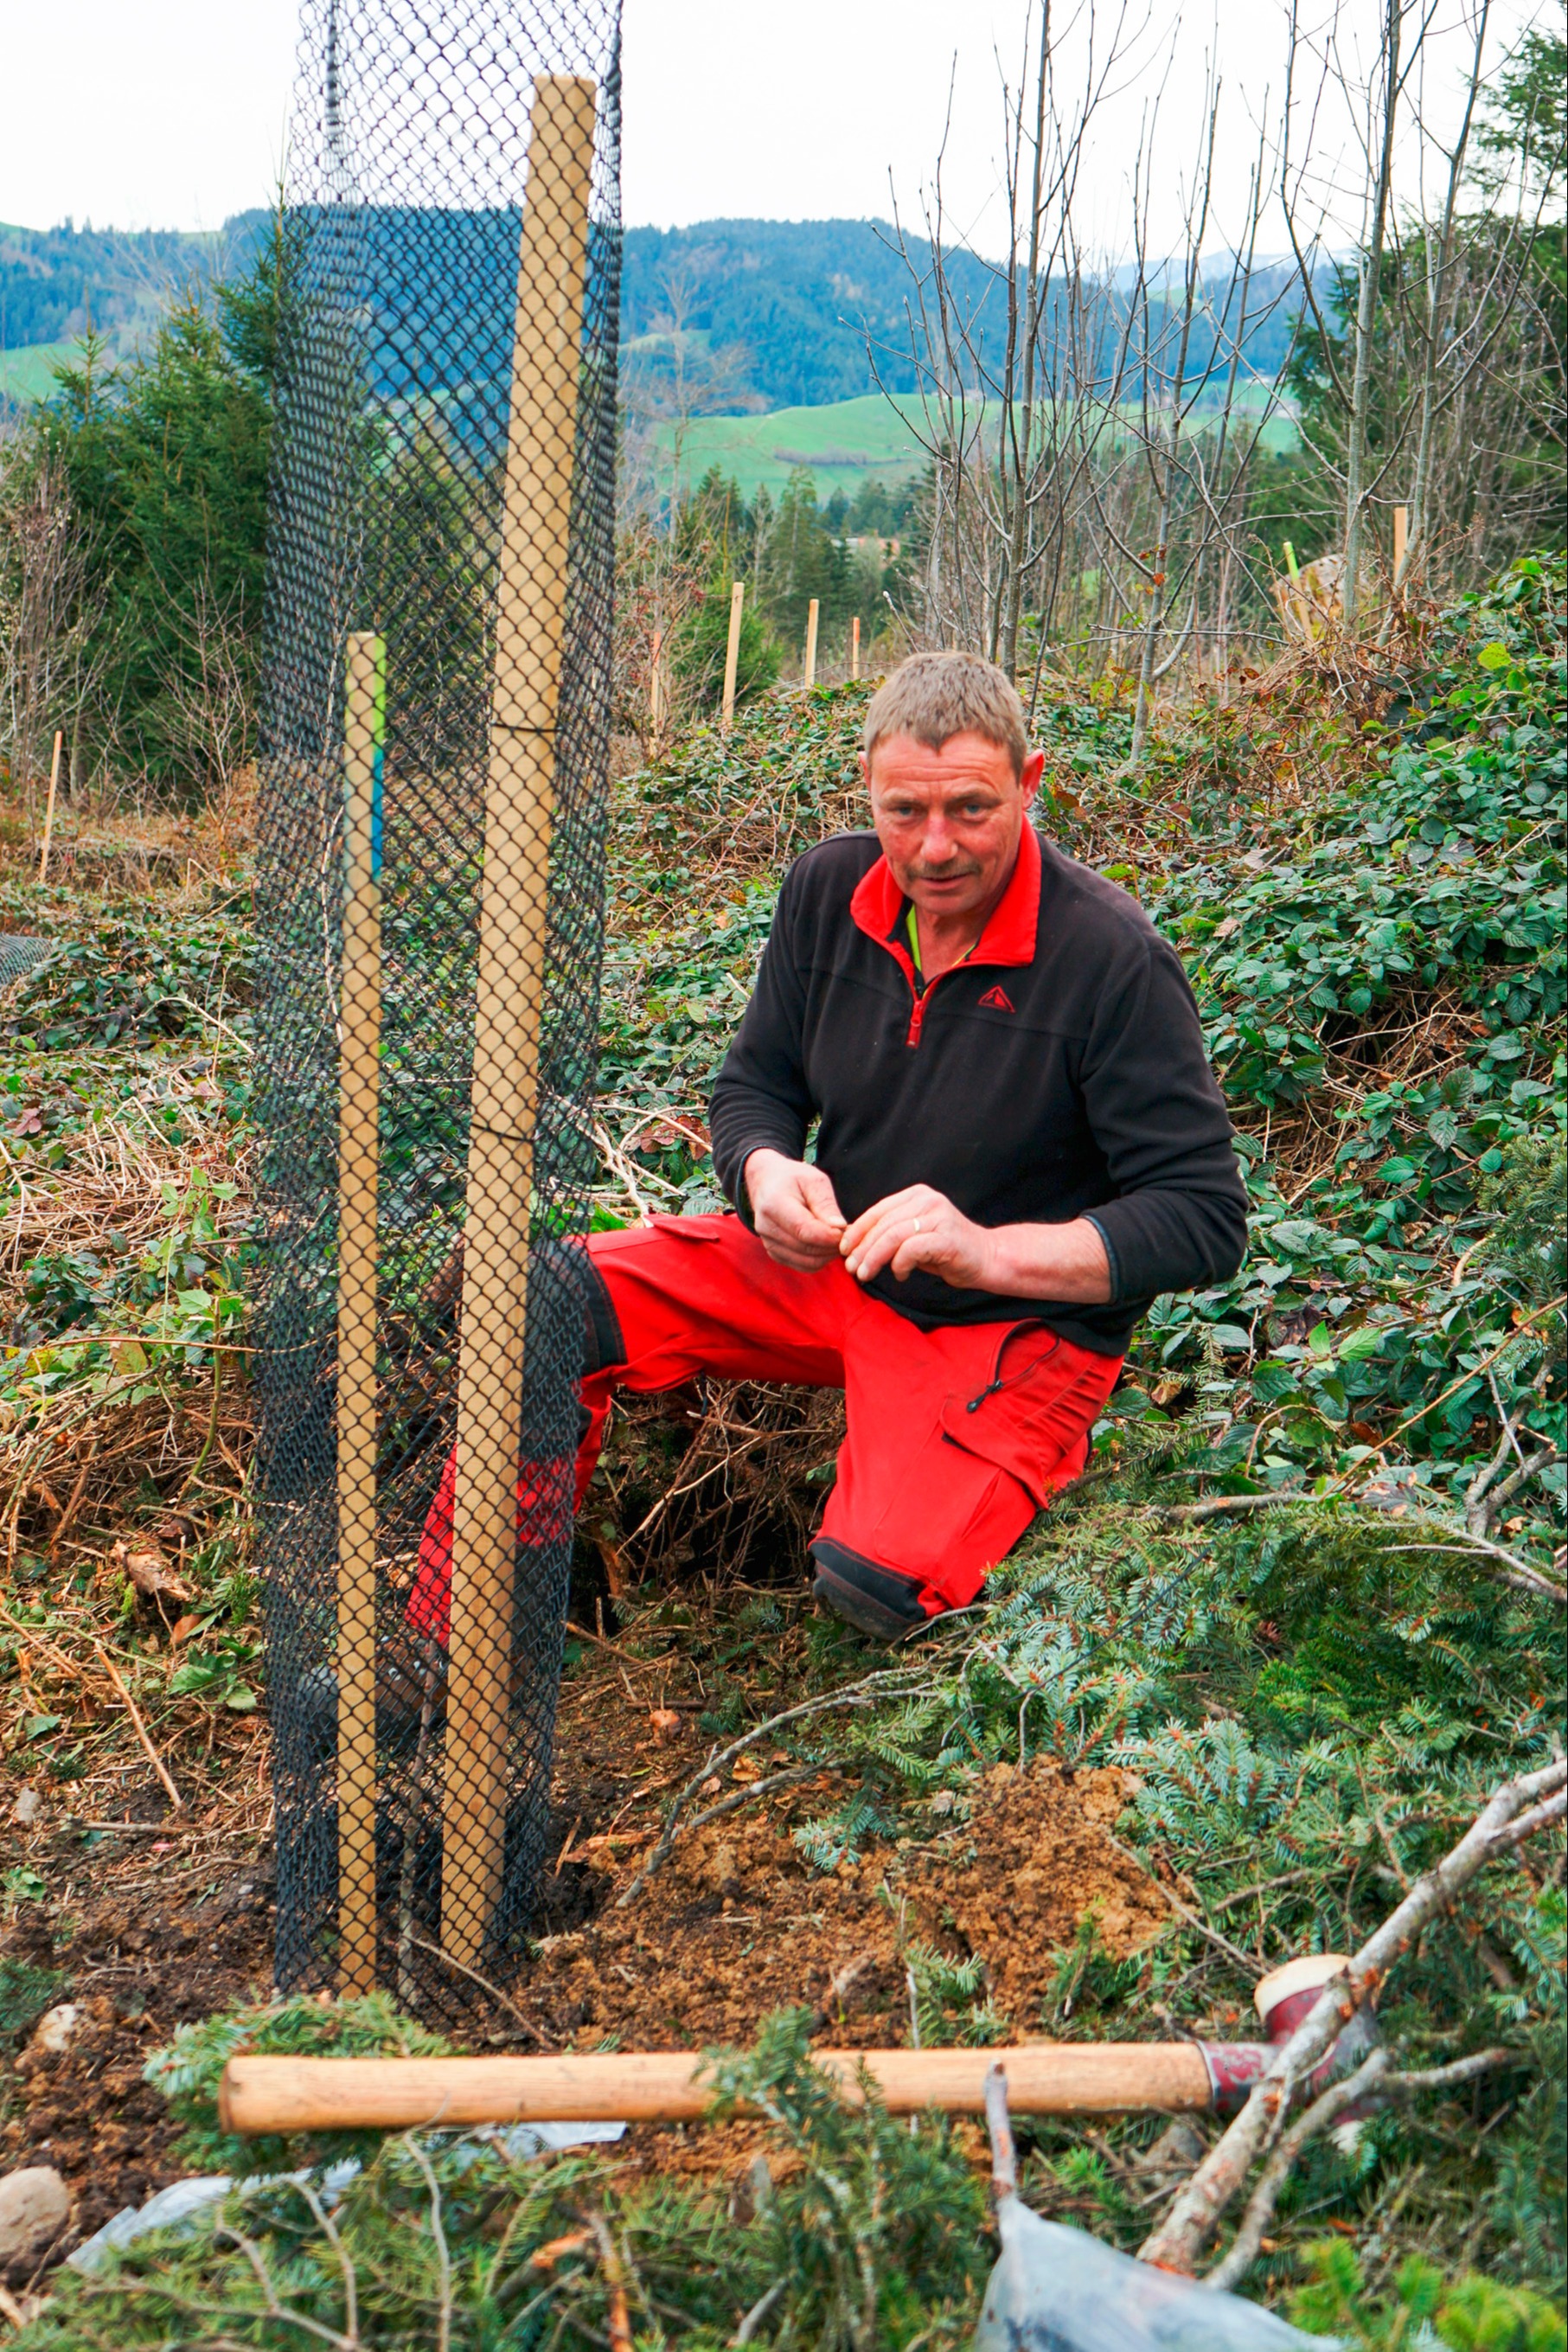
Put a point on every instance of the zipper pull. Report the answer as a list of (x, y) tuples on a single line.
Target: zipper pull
[(976, 1403)]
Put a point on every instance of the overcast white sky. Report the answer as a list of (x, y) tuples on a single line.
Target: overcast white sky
[(171, 113)]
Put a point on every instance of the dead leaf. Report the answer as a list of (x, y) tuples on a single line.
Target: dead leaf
[(184, 1629), (615, 1574), (143, 1560), (544, 2257)]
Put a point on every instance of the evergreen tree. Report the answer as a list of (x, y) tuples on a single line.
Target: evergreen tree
[(165, 465)]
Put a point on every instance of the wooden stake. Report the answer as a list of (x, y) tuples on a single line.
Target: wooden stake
[(294, 2095), (49, 814), (732, 654), (656, 686), (855, 649), (809, 666), (359, 1153), (1401, 539), (513, 932)]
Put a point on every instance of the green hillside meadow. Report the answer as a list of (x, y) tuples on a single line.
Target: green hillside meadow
[(27, 374), (844, 442)]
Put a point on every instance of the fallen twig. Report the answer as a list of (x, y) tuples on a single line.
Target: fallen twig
[(486, 1986), (1515, 1809), (1216, 1504), (1455, 1386), (1444, 2078), (789, 1777), (1513, 1570), (1242, 2252), (854, 1695), (615, 2281), (1370, 2076), (107, 1663), (443, 2251), (1517, 1572), (600, 1641), (1233, 1952)]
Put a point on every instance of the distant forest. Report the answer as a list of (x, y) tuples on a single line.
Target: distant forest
[(779, 311)]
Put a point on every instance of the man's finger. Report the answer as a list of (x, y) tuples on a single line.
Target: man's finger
[(807, 1226), (914, 1251), (913, 1201), (891, 1237)]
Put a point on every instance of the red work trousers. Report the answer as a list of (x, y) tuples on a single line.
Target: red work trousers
[(955, 1437)]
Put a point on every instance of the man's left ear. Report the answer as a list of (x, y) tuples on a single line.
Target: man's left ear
[(1030, 775)]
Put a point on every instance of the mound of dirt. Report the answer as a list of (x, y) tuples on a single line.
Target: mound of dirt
[(737, 1923), (1039, 1863)]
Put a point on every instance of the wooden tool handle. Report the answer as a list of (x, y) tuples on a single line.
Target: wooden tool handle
[(290, 2095)]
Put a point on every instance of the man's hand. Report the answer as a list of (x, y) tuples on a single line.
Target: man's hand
[(920, 1229), (799, 1221)]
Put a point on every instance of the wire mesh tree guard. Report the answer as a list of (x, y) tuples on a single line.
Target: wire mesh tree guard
[(431, 833)]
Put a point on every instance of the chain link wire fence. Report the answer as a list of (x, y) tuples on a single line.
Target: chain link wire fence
[(434, 749)]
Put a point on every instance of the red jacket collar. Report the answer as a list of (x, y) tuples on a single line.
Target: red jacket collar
[(1008, 938)]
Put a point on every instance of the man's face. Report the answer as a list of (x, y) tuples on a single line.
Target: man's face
[(949, 820)]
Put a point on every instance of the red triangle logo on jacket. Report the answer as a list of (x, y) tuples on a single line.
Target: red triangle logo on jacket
[(998, 1001)]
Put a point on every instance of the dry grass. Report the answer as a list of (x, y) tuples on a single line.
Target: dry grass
[(121, 1439)]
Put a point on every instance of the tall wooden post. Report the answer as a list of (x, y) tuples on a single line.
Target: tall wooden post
[(49, 812), (855, 649), (513, 931), (732, 654), (809, 666), (359, 1125), (1401, 540), (656, 686)]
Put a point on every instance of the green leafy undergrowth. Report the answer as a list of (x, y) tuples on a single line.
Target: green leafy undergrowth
[(1475, 2315), (1386, 998), (189, 2069), (872, 2235), (125, 1055)]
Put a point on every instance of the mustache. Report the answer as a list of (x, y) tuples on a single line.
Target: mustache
[(953, 870)]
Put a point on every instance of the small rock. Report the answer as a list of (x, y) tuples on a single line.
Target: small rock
[(35, 2207), (57, 2027), (27, 1809), (724, 1870)]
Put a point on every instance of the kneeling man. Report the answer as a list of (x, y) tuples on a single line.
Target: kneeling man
[(1018, 1144)]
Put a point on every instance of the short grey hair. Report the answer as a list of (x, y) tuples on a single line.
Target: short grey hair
[(932, 697)]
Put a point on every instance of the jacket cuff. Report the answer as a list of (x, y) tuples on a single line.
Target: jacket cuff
[(1112, 1260)]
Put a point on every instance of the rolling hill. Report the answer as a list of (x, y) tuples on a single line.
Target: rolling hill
[(779, 316)]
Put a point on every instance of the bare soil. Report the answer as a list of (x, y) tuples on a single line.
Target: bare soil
[(146, 1928), (153, 1927)]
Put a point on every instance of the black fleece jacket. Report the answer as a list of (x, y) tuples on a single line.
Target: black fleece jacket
[(1059, 1072)]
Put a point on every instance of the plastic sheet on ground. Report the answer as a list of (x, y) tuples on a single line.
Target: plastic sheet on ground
[(1059, 2290), (184, 2201)]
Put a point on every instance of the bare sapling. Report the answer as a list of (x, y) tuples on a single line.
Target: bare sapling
[(1370, 269)]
